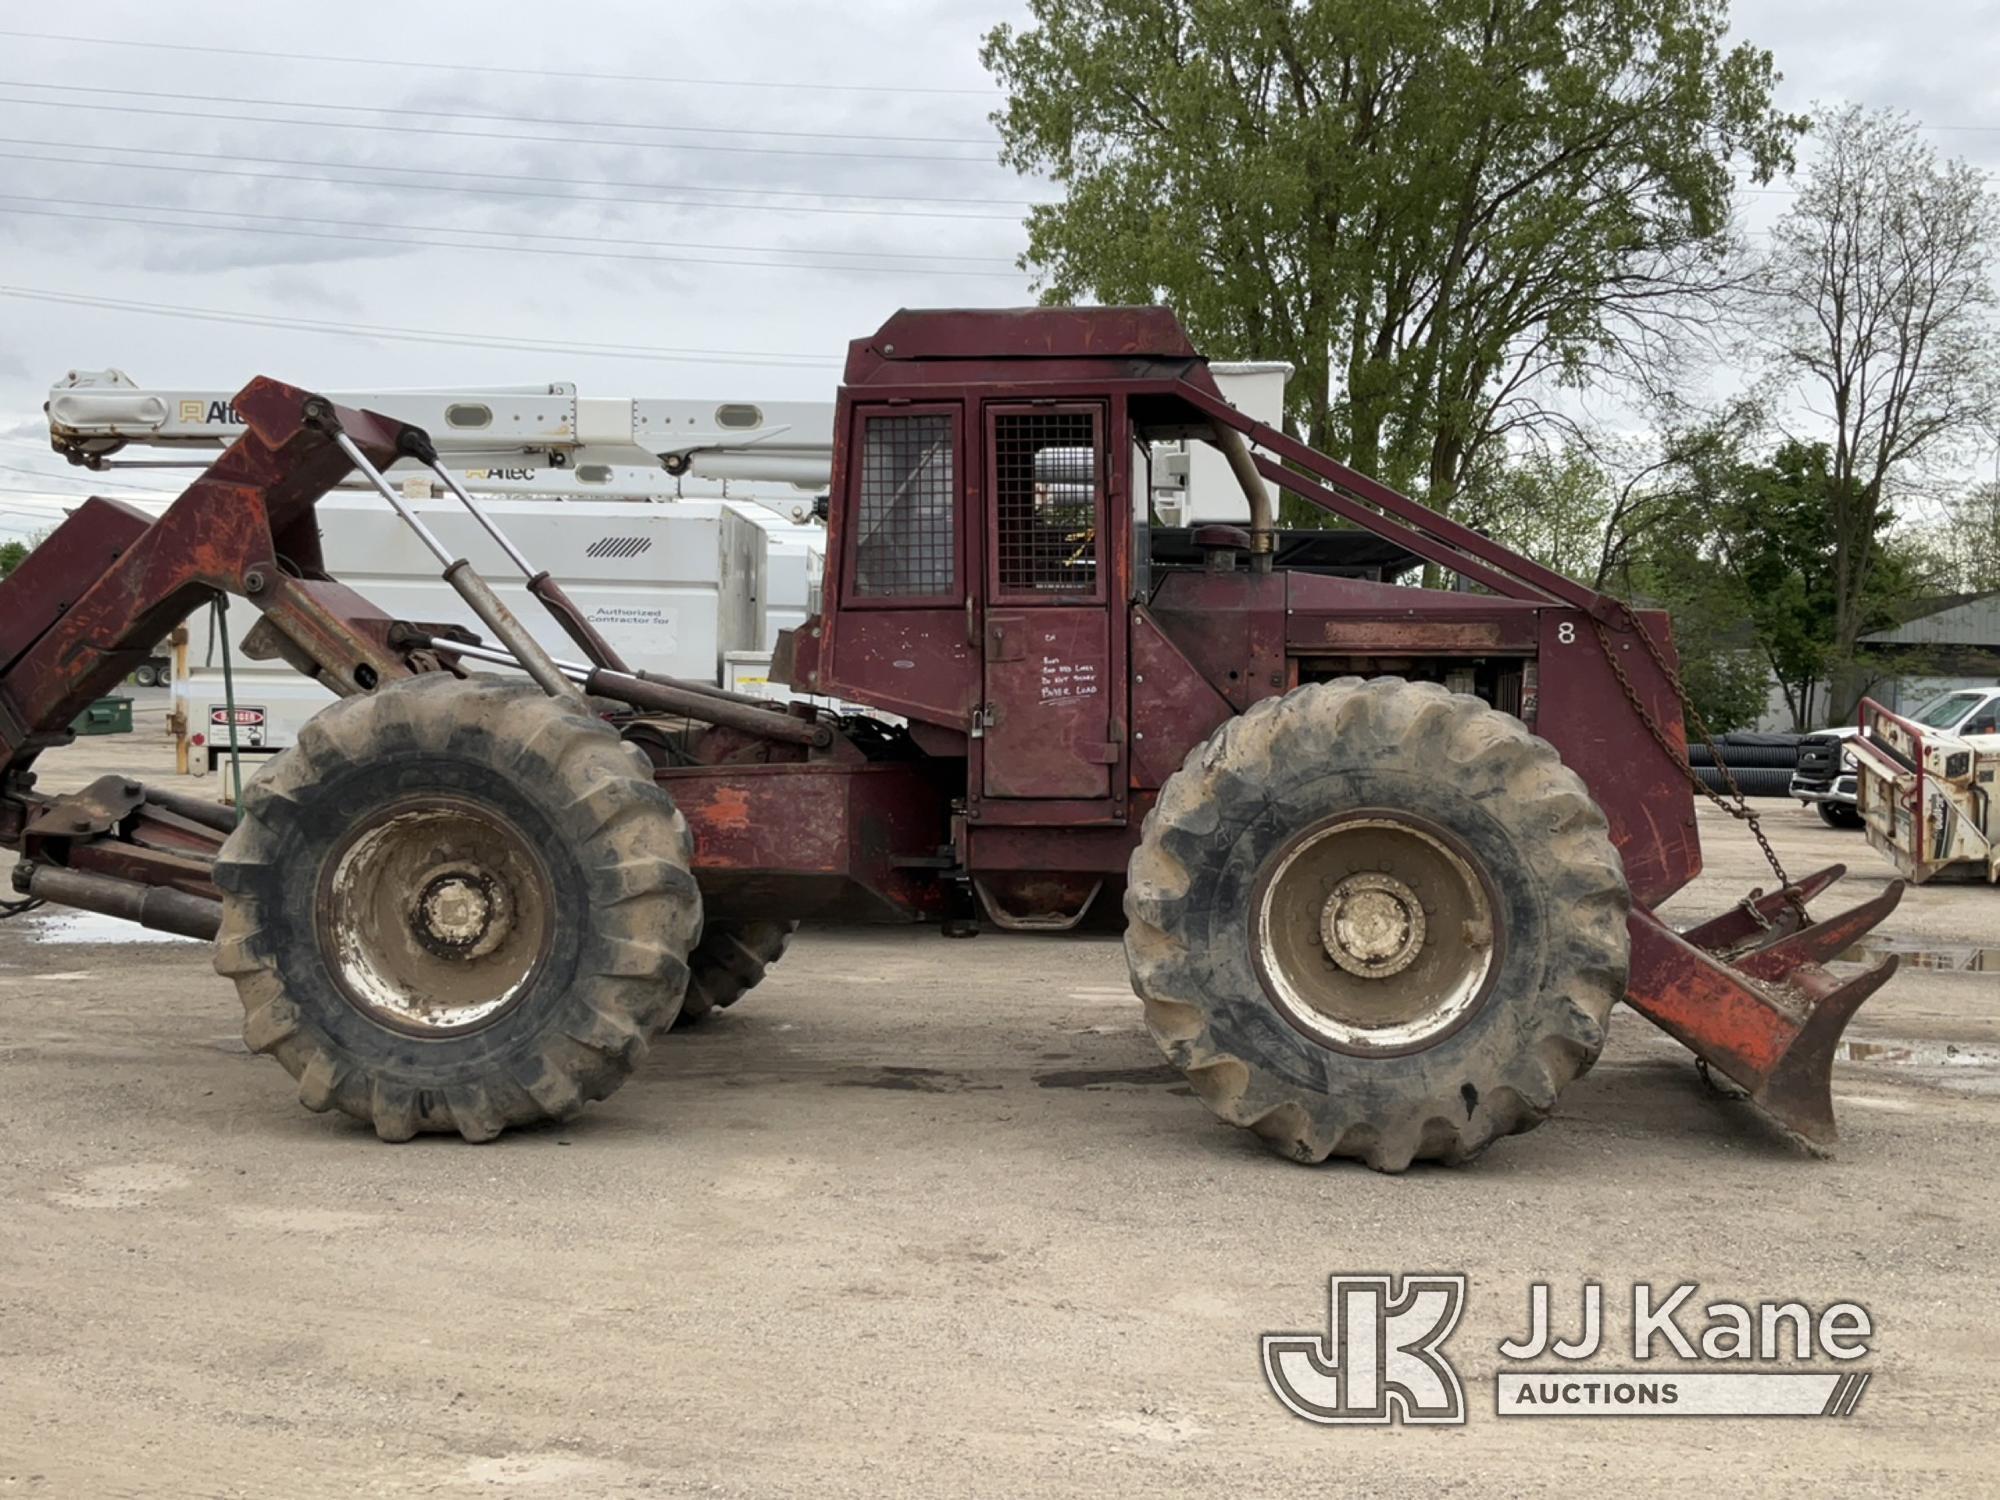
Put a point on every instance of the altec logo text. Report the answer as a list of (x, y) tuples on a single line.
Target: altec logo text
[(1382, 1358)]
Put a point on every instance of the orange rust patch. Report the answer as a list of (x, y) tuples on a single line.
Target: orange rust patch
[(728, 809)]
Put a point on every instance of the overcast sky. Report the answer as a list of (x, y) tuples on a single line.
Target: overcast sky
[(788, 269)]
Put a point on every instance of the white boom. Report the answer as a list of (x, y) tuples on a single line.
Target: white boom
[(548, 442), (95, 414)]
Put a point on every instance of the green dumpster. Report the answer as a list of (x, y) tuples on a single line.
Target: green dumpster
[(111, 715)]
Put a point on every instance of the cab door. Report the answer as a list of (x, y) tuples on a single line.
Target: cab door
[(1048, 716)]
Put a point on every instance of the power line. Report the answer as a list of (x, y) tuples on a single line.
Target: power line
[(665, 187), (442, 337), (81, 479), (682, 80), (22, 489), (380, 239), (986, 142), (489, 192), (526, 234), (487, 135)]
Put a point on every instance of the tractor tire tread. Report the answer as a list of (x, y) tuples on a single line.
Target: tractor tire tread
[(643, 902), (1492, 1088), (730, 961)]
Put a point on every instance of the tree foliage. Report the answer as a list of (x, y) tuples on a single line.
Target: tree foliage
[(11, 553), (1962, 548), (1879, 302), (1549, 506), (1740, 550), (1433, 208)]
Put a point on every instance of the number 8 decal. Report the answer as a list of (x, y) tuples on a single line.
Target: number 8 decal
[(1566, 632)]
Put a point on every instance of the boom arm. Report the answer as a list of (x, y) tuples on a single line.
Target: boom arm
[(94, 415)]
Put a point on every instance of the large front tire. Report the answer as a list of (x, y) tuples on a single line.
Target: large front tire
[(1379, 920), (456, 905)]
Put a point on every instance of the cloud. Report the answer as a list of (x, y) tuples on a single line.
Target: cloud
[(1827, 49)]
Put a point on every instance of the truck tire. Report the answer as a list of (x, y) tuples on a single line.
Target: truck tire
[(456, 905), (728, 962), (1842, 815), (1377, 920)]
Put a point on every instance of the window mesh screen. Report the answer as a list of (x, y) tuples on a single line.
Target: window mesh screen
[(906, 547), (1045, 486)]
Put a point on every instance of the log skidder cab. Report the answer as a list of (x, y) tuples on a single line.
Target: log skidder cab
[(1386, 857)]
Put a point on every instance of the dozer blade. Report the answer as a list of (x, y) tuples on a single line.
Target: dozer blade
[(1756, 1003)]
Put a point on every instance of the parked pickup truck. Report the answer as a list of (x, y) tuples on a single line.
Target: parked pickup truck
[(1928, 785), (1826, 777)]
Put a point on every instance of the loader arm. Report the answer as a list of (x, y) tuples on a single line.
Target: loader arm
[(89, 603), (86, 605)]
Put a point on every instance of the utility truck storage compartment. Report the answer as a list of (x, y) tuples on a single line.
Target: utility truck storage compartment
[(674, 585)]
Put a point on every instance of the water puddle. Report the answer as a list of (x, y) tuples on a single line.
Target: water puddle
[(1955, 958), (94, 927), (1918, 1054)]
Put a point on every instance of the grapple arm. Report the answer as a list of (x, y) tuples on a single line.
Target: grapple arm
[(93, 599)]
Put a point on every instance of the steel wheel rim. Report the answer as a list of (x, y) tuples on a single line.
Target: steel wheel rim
[(435, 916), (1373, 933)]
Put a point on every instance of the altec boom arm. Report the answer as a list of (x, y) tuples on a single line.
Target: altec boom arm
[(94, 415)]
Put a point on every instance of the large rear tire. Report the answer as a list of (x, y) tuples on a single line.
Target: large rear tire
[(456, 905), (1377, 920), (728, 963)]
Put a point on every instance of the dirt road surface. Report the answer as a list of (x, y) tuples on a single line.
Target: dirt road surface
[(927, 1218)]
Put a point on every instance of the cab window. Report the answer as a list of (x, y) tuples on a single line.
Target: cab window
[(906, 542)]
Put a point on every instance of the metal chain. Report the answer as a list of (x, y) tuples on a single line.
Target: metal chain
[(1735, 804)]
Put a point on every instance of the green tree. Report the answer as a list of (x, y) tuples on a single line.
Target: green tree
[(11, 554), (1661, 548), (1432, 208), (1965, 545), (1879, 302), (1742, 552), (1550, 506)]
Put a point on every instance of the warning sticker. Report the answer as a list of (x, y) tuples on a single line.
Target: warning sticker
[(249, 723)]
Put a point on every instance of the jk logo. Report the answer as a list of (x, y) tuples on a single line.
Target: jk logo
[(1380, 1360)]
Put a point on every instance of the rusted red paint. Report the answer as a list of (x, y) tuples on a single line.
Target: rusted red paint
[(1771, 1018), (814, 839), (722, 808), (1049, 693), (1230, 626), (63, 568), (219, 536), (1642, 788), (1037, 901), (1174, 707)]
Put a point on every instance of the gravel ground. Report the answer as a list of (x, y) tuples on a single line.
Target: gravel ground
[(922, 1218)]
